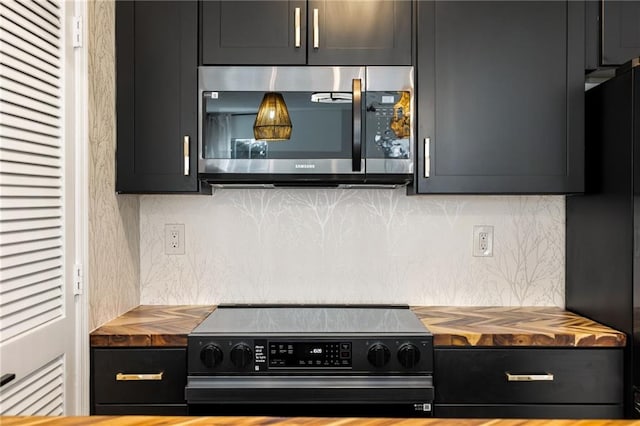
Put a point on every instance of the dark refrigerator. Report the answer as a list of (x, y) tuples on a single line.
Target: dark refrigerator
[(603, 224)]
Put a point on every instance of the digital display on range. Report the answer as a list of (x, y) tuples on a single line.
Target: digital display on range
[(309, 354)]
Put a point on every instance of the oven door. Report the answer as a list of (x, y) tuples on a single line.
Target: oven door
[(326, 396)]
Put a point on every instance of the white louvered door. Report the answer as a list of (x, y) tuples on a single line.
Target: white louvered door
[(36, 208)]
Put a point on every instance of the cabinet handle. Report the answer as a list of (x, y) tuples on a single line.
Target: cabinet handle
[(316, 30), (6, 378), (121, 377), (547, 377), (427, 157), (297, 26), (185, 153)]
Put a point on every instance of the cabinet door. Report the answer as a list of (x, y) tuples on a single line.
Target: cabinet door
[(254, 32), (620, 29), (360, 32), (500, 97), (156, 48)]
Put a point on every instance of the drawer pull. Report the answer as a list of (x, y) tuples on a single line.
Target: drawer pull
[(547, 377), (127, 377)]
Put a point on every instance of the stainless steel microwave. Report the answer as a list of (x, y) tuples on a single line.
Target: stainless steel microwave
[(349, 126)]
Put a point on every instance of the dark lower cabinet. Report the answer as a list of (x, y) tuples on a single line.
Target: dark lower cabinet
[(138, 381), (500, 97), (156, 102), (529, 382)]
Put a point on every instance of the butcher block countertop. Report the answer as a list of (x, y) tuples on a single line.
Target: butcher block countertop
[(292, 421), (164, 325), (508, 326), (152, 325)]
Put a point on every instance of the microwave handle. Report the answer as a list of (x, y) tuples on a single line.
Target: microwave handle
[(356, 105)]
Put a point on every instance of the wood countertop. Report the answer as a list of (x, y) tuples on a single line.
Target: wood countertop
[(151, 325), (509, 326), (291, 421), (164, 325)]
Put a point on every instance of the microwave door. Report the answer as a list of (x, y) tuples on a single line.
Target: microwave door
[(321, 141)]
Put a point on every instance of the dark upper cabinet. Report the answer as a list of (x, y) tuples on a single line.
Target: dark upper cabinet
[(613, 32), (500, 96), (329, 32), (156, 51)]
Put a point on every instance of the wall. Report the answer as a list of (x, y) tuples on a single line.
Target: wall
[(322, 245), (114, 258)]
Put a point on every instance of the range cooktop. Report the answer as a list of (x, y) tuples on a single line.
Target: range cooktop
[(310, 320)]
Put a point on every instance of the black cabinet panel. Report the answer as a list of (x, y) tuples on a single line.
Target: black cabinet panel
[(354, 32), (479, 376), (156, 48), (500, 97), (141, 409), (530, 411), (108, 362), (367, 32), (620, 31), (253, 32), (603, 225), (580, 383)]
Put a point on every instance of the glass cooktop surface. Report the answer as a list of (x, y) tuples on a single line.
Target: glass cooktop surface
[(310, 320)]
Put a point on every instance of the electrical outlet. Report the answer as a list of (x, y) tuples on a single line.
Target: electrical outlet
[(483, 240), (174, 238)]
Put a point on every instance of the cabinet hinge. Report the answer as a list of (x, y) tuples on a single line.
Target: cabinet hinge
[(78, 283), (77, 31)]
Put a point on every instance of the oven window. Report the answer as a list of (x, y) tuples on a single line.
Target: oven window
[(322, 128)]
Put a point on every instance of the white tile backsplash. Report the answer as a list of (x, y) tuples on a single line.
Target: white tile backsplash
[(352, 246)]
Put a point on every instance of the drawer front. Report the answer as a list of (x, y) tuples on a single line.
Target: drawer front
[(141, 409), (538, 376), (163, 375), (530, 411)]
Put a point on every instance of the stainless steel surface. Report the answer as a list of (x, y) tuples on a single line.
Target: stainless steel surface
[(297, 26), (310, 321), (317, 79), (185, 152), (278, 79), (316, 30), (390, 78), (427, 157), (278, 166), (548, 377)]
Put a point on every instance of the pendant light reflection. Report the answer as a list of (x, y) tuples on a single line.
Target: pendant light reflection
[(272, 122)]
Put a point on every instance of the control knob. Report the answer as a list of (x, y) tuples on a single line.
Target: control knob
[(378, 355), (211, 355), (241, 355), (408, 355)]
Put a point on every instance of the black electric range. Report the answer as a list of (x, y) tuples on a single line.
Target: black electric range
[(310, 360)]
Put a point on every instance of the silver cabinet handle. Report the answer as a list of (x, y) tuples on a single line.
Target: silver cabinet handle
[(185, 153), (547, 377), (121, 377), (297, 26), (427, 157), (316, 30)]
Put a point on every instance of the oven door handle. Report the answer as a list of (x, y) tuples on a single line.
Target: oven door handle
[(356, 106), (308, 389)]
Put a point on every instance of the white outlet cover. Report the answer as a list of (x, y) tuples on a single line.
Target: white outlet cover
[(174, 238), (478, 250)]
